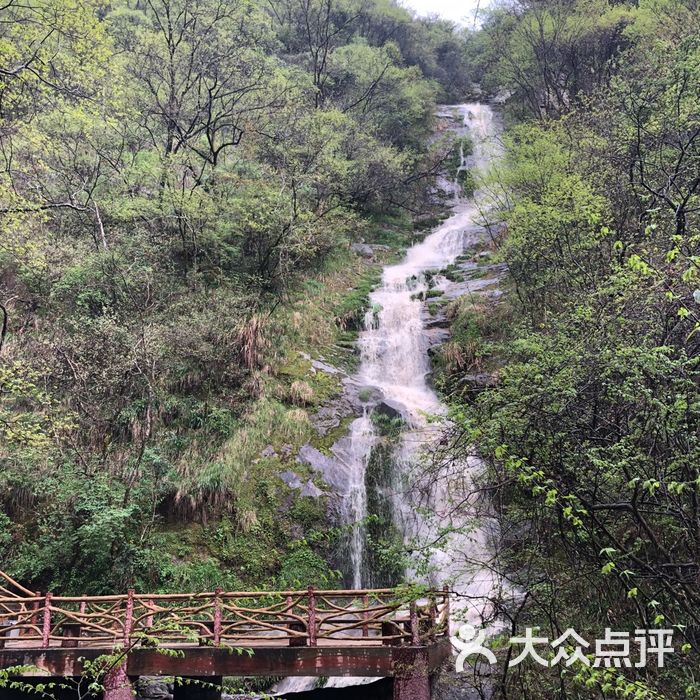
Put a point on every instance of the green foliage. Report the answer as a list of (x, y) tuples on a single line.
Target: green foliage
[(303, 568), (351, 311), (453, 273), (590, 435), (548, 54), (384, 543), (387, 426)]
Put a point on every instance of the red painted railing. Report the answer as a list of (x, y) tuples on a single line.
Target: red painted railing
[(294, 618)]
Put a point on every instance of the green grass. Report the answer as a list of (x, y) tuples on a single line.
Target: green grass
[(453, 273), (386, 426), (434, 293)]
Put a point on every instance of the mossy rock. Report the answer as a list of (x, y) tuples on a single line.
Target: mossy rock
[(350, 311), (434, 293), (324, 443)]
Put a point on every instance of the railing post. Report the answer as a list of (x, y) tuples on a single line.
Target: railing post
[(312, 617), (46, 626), (446, 594), (365, 615), (34, 620), (128, 617), (116, 682), (415, 633), (149, 617), (217, 615)]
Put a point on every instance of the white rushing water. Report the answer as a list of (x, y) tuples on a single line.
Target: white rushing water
[(394, 345), (362, 439), (436, 514), (433, 514)]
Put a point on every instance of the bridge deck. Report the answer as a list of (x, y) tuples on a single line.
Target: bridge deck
[(326, 660)]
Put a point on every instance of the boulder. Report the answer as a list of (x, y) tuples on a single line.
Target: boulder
[(327, 418), (291, 478), (478, 381), (329, 468), (392, 409), (362, 249), (368, 394), (153, 688)]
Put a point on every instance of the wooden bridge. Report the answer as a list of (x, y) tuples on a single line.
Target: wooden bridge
[(210, 635)]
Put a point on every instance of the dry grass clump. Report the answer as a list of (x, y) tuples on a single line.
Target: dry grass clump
[(300, 393), (252, 341)]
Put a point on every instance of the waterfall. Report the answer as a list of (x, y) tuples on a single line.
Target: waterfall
[(394, 359), (362, 438)]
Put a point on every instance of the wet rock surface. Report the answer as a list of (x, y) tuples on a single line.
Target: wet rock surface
[(392, 409), (153, 688), (328, 467)]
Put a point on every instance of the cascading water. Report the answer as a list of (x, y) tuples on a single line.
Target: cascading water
[(362, 438), (394, 359), (462, 167)]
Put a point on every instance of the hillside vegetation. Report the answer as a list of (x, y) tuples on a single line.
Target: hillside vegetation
[(591, 432), (179, 184)]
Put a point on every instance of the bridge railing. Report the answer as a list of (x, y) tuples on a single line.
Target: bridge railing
[(219, 618)]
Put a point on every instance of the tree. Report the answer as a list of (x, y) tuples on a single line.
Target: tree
[(201, 73), (549, 53)]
